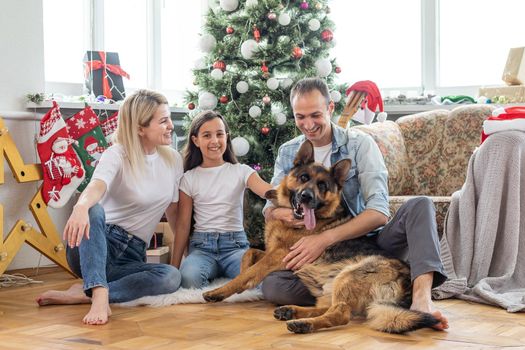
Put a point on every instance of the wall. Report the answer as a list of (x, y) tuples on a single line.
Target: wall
[(22, 72)]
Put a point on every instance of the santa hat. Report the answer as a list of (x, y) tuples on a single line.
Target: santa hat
[(371, 103), (90, 140), (504, 119)]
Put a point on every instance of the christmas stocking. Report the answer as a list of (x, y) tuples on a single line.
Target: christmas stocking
[(109, 126), (61, 167), (85, 128)]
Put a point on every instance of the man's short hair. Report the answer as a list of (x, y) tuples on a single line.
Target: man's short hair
[(307, 85)]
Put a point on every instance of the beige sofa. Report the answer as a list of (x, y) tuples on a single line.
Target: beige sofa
[(427, 153)]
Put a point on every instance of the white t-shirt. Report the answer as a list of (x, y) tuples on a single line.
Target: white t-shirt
[(137, 205), (217, 195), (322, 155)]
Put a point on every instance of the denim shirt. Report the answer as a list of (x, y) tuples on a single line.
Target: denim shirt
[(366, 183)]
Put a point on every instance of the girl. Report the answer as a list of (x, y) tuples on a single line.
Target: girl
[(212, 190), (135, 181)]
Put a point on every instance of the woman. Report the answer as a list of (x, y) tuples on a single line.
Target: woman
[(136, 181)]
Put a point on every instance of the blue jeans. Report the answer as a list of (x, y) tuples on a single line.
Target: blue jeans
[(212, 255), (113, 259)]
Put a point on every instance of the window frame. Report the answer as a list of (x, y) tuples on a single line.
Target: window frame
[(429, 35)]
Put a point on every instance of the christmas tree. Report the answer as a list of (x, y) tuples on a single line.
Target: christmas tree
[(254, 51)]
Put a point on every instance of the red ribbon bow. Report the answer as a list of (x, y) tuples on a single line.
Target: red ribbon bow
[(101, 64)]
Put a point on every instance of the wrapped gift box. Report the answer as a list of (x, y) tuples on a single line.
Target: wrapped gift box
[(512, 94), (514, 72), (104, 75), (158, 255)]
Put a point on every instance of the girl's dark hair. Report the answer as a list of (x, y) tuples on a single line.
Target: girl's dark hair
[(191, 154)]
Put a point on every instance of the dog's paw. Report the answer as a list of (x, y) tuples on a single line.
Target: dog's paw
[(299, 326), (212, 297), (284, 313)]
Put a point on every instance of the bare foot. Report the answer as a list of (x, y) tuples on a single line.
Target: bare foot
[(74, 295), (422, 301), (428, 307), (100, 310)]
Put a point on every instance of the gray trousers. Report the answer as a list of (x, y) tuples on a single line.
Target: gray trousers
[(411, 236)]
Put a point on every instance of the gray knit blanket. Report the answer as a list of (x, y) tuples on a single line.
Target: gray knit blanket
[(483, 246)]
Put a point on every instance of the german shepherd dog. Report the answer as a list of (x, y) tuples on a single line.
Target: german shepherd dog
[(353, 277)]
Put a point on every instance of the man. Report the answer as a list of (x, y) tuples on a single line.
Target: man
[(411, 235)]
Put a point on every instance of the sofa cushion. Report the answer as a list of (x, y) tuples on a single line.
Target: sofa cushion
[(390, 141), (422, 133), (461, 135)]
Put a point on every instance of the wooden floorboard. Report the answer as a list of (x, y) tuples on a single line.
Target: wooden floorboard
[(25, 325)]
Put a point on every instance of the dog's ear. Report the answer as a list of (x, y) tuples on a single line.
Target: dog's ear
[(305, 155), (339, 171), (271, 194)]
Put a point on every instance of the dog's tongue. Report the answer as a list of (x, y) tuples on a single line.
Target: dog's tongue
[(309, 218)]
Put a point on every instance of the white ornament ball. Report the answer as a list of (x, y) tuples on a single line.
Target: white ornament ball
[(280, 118), (217, 74), (207, 43), (229, 5), (200, 63), (272, 83), (284, 19), (324, 67), (335, 95), (283, 39), (286, 83), (240, 146), (242, 87), (207, 100), (248, 48), (314, 24), (251, 3), (254, 111)]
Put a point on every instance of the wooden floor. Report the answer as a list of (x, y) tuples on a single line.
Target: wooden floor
[(24, 325)]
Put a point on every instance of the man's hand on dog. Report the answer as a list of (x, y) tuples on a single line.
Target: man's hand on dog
[(286, 216), (305, 251)]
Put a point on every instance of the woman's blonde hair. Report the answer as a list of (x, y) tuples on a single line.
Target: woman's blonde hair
[(137, 111)]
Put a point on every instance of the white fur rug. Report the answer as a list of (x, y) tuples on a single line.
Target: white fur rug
[(194, 296)]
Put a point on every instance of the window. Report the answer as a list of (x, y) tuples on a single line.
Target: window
[(64, 40), (378, 40), (156, 41), (126, 32), (180, 37), (475, 38), (410, 46)]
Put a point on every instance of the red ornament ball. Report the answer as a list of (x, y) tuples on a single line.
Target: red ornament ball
[(338, 70), (266, 99), (264, 68), (327, 35), (191, 106), (271, 16), (219, 65), (297, 52), (304, 5), (230, 30), (265, 130), (223, 99)]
